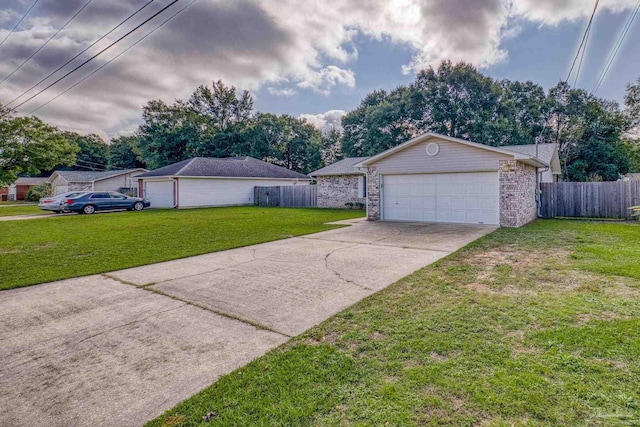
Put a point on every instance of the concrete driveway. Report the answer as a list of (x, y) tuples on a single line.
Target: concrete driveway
[(121, 348)]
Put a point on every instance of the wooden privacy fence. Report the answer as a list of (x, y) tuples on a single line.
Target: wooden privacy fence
[(589, 199), (288, 196)]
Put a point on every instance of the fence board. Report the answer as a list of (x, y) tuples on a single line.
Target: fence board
[(289, 196), (589, 199)]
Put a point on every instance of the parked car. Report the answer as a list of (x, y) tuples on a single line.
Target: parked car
[(90, 202), (54, 203)]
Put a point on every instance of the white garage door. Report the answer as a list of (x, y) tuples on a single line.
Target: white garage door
[(471, 198), (159, 193)]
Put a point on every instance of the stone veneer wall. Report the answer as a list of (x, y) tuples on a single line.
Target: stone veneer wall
[(517, 193), (373, 194), (335, 191)]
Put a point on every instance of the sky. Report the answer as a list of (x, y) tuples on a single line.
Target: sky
[(313, 59)]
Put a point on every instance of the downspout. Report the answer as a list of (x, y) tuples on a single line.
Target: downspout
[(176, 193)]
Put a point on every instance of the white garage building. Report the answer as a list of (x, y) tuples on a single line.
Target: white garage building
[(207, 181)]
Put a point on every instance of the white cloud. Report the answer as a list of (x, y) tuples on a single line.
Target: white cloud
[(325, 121), (287, 91), (284, 45)]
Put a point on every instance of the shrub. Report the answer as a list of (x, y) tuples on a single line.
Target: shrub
[(349, 205), (39, 191), (359, 205)]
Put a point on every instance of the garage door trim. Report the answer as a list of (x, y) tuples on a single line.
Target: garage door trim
[(466, 197)]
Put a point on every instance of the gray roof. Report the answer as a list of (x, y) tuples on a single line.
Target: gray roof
[(91, 176), (545, 151), (232, 167), (342, 167), (30, 181)]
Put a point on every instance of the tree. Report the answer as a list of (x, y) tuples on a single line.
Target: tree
[(124, 153), (632, 102), (221, 104), (458, 101), (331, 146), (170, 133), (383, 120), (93, 152), (285, 141), (29, 146)]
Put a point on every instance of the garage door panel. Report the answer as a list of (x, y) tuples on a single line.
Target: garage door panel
[(159, 193), (457, 197)]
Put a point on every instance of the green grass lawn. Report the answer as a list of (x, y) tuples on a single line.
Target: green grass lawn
[(538, 326), (11, 210), (43, 250)]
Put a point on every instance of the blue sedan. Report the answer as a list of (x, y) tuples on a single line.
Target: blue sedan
[(88, 203)]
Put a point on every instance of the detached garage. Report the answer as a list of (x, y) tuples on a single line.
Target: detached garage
[(207, 181), (436, 178)]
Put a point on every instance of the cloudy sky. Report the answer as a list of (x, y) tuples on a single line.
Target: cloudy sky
[(314, 59)]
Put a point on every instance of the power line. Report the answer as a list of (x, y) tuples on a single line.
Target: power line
[(111, 60), (80, 53), (47, 42), (616, 48), (583, 41), (584, 50), (18, 23), (96, 55), (91, 163)]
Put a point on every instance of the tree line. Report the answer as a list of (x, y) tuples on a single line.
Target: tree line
[(595, 135)]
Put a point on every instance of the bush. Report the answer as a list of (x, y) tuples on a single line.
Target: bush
[(349, 205), (39, 191), (359, 205)]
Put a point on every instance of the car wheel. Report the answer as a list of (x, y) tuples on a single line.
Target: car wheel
[(89, 209), (138, 206)]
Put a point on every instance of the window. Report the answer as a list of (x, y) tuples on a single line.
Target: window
[(362, 186), (100, 196)]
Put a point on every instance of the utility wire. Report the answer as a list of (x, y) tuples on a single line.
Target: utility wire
[(97, 54), (584, 50), (616, 48), (111, 60), (47, 42), (19, 22), (584, 40), (80, 53)]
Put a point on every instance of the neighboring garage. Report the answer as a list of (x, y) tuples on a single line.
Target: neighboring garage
[(442, 179), (206, 181)]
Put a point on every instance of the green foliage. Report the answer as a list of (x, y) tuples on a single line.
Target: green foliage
[(124, 153), (29, 146), (39, 191), (32, 250), (94, 152), (509, 331), (458, 101), (632, 102)]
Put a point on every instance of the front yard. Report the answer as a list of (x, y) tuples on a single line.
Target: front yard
[(538, 326), (17, 209), (43, 250)]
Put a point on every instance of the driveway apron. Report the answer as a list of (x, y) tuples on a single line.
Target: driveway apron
[(120, 348)]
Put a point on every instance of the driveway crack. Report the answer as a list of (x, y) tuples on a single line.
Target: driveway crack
[(326, 264)]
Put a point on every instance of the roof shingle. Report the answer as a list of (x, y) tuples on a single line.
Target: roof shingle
[(231, 167), (342, 167)]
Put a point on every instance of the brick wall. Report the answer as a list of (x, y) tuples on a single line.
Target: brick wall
[(517, 193), (373, 194), (335, 191)]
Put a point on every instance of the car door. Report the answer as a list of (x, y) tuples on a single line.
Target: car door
[(101, 201), (119, 201)]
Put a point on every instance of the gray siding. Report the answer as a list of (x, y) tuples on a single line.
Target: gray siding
[(453, 157)]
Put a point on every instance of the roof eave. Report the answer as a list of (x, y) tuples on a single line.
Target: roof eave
[(424, 137)]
